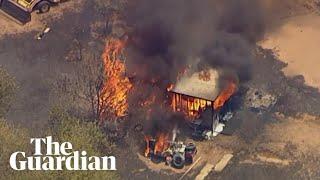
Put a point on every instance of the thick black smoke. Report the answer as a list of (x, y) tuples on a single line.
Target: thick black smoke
[(169, 35)]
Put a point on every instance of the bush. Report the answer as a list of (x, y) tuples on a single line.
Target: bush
[(83, 136), (12, 140)]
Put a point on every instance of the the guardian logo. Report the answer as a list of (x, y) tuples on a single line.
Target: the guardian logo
[(59, 157)]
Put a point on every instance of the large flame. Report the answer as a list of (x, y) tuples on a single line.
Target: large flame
[(225, 95), (147, 150), (190, 106), (114, 93), (161, 144)]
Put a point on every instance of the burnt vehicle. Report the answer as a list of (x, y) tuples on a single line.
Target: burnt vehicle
[(21, 9)]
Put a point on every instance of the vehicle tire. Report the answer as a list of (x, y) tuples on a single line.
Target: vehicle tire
[(43, 6), (178, 160)]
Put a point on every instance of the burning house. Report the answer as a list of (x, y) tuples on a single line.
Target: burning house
[(193, 94), (204, 96)]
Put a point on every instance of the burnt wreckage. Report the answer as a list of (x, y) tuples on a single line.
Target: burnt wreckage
[(204, 98)]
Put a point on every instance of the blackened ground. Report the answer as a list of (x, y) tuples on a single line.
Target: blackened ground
[(294, 98)]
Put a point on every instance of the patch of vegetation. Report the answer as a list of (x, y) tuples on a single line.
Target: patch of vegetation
[(8, 88), (83, 136), (12, 140), (114, 5)]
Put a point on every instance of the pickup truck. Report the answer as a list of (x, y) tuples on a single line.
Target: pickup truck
[(22, 9)]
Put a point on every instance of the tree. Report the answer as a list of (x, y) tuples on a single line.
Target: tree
[(90, 79), (78, 91)]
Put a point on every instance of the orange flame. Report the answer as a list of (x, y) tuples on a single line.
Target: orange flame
[(148, 102), (190, 106), (114, 93), (170, 87), (225, 95), (147, 151), (205, 75), (161, 143)]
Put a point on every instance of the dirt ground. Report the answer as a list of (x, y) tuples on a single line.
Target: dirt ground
[(302, 131), (282, 143), (36, 65), (289, 142), (294, 140), (297, 43), (39, 21)]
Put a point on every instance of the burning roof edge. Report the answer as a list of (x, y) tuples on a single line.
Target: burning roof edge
[(204, 85)]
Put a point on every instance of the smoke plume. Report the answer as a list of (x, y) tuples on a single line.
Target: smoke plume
[(168, 36)]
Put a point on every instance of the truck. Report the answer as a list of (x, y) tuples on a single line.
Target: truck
[(21, 9)]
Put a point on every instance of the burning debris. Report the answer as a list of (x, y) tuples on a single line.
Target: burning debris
[(259, 99), (175, 154)]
